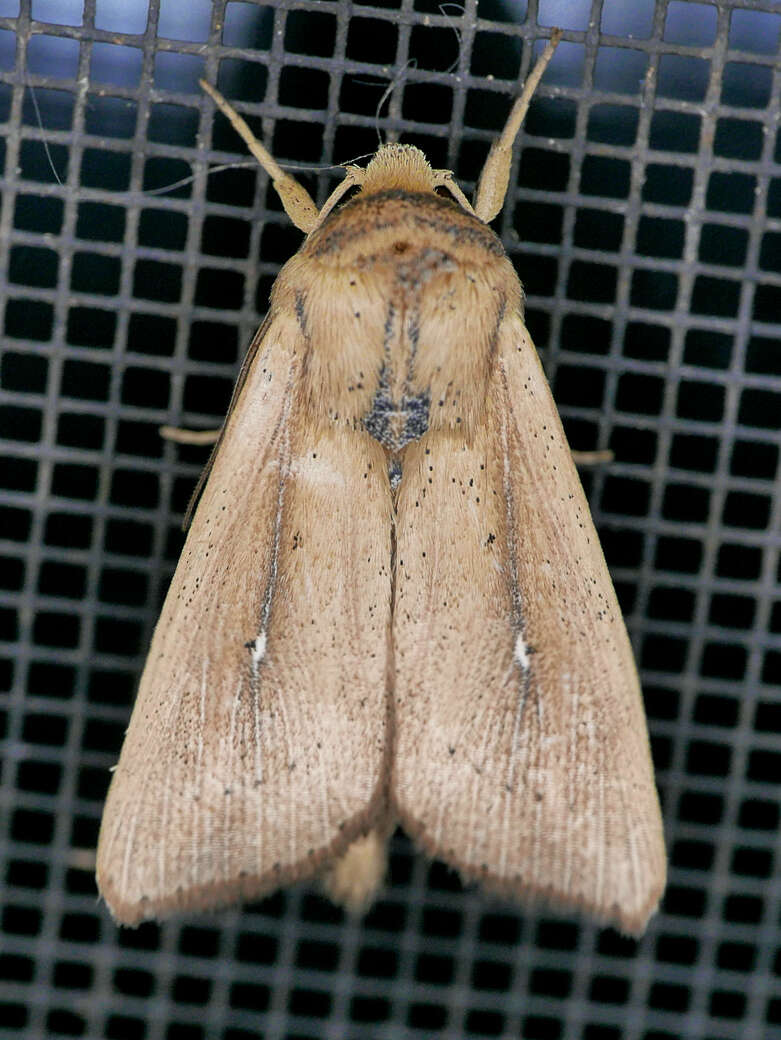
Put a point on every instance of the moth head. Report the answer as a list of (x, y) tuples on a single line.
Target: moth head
[(395, 167), (398, 166), (404, 167)]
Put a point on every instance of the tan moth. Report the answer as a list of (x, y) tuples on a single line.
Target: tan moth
[(392, 605)]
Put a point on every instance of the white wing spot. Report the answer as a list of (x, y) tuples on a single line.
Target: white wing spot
[(258, 651), (521, 652)]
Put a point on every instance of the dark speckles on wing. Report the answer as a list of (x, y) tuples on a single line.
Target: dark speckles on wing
[(416, 411)]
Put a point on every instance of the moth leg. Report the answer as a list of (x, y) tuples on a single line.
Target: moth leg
[(592, 458), (354, 178), (295, 198), (181, 436), (492, 187), (445, 179)]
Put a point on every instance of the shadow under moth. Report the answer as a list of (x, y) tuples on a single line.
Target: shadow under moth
[(392, 605)]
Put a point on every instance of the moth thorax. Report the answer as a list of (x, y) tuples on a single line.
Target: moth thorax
[(398, 166)]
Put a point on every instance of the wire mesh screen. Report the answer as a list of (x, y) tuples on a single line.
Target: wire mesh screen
[(644, 219)]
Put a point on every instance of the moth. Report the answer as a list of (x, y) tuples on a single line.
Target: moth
[(392, 605)]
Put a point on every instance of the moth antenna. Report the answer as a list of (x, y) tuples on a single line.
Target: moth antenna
[(456, 31), (492, 188), (44, 142), (295, 198), (392, 136)]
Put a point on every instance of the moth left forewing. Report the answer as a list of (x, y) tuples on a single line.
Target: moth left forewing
[(521, 753), (257, 748)]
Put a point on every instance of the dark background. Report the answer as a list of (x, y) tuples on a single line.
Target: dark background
[(645, 222)]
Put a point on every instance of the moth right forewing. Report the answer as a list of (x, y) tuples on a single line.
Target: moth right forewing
[(608, 815), (521, 752), (256, 749)]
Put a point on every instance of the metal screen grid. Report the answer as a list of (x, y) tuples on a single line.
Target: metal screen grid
[(647, 229)]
